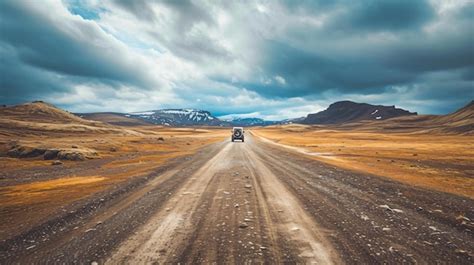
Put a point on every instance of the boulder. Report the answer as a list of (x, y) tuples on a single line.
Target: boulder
[(50, 154), (71, 155), (25, 151)]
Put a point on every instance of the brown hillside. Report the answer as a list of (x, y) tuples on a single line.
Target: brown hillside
[(40, 118), (39, 111), (459, 122), (113, 118)]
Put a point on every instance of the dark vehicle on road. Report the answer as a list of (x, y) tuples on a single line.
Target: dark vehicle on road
[(237, 134)]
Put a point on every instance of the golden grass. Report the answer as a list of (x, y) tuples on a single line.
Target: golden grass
[(147, 151), (128, 154), (42, 191), (439, 162)]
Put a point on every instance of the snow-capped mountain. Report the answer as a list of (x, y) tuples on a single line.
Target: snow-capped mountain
[(250, 122), (177, 117), (290, 121)]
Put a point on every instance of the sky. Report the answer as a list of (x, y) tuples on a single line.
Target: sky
[(266, 59)]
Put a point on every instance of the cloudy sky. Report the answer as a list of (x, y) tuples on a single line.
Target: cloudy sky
[(270, 59)]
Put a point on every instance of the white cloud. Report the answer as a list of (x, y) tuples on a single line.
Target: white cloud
[(280, 80), (268, 58)]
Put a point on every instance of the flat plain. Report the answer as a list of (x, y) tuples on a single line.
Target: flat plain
[(80, 191)]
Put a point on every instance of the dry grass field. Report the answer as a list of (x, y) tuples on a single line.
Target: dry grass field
[(32, 188), (74, 190), (437, 161)]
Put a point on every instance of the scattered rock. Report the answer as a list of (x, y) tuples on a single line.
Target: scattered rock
[(386, 229), (236, 205), (460, 251), (73, 156), (50, 154), (243, 225), (388, 208), (113, 149), (462, 217), (248, 186), (56, 163), (161, 139), (419, 209), (94, 263), (25, 151)]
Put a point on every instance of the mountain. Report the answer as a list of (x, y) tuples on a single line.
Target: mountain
[(348, 111), (458, 122), (41, 112), (177, 117), (113, 118), (247, 122), (41, 118), (291, 121), (462, 119)]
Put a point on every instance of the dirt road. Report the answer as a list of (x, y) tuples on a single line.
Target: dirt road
[(255, 202)]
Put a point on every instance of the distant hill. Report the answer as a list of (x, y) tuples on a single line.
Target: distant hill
[(461, 120), (172, 117), (40, 118), (114, 118), (247, 122), (39, 111), (291, 121), (458, 122), (348, 111), (177, 117)]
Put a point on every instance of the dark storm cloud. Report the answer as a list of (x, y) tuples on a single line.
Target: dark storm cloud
[(197, 46), (187, 11), (389, 14), (368, 48), (235, 57), (20, 82), (310, 72), (369, 14), (37, 50)]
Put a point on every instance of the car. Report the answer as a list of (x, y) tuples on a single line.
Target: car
[(237, 134)]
